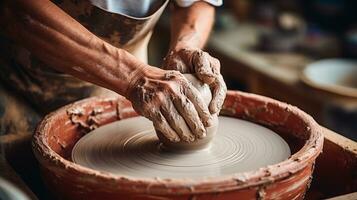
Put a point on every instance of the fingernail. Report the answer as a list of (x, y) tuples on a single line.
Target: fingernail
[(188, 138), (209, 121), (174, 139), (191, 138), (213, 109), (202, 133)]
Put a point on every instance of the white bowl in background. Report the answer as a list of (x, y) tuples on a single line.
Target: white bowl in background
[(337, 76)]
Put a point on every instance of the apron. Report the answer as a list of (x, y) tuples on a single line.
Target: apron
[(29, 89)]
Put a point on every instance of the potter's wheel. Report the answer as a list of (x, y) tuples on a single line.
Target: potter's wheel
[(130, 147)]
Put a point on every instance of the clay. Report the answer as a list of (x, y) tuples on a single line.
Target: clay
[(57, 134), (130, 147), (202, 88), (198, 143), (205, 67), (175, 106)]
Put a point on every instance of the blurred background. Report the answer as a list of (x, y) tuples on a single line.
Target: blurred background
[(303, 52)]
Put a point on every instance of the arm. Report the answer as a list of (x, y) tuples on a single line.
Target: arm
[(190, 28), (165, 97), (64, 44)]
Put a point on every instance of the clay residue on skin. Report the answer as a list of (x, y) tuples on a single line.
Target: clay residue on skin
[(201, 142), (175, 107), (205, 67)]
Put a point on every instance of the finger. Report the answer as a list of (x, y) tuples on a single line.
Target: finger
[(173, 62), (199, 104), (202, 67), (177, 122), (215, 65), (187, 110), (176, 64), (219, 90), (161, 125)]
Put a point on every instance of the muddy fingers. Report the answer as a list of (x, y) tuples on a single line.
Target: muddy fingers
[(219, 89), (161, 124), (177, 122)]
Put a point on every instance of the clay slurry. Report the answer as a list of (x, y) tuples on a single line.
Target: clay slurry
[(130, 147)]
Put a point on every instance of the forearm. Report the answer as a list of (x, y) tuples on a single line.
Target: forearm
[(191, 26), (64, 44)]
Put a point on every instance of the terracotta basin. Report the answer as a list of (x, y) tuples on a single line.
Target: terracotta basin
[(60, 130)]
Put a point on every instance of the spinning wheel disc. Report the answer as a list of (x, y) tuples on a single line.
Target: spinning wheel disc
[(130, 147)]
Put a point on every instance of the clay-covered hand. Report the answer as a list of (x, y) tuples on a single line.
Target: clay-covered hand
[(174, 105), (205, 67)]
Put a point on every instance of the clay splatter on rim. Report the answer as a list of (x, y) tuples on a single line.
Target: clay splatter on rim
[(60, 130)]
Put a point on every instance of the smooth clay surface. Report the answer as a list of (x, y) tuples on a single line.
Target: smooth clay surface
[(131, 148)]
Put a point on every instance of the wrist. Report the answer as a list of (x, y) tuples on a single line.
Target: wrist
[(135, 76), (141, 74), (124, 69), (180, 46), (189, 40)]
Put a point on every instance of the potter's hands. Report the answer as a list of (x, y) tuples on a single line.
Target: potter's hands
[(205, 67), (174, 105)]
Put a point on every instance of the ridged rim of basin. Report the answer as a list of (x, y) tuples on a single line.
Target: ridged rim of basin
[(49, 159)]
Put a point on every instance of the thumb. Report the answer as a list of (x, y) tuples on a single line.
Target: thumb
[(202, 67)]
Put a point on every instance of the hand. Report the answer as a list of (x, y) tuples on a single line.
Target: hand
[(205, 67), (174, 105)]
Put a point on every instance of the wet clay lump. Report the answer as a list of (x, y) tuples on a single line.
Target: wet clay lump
[(200, 143)]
